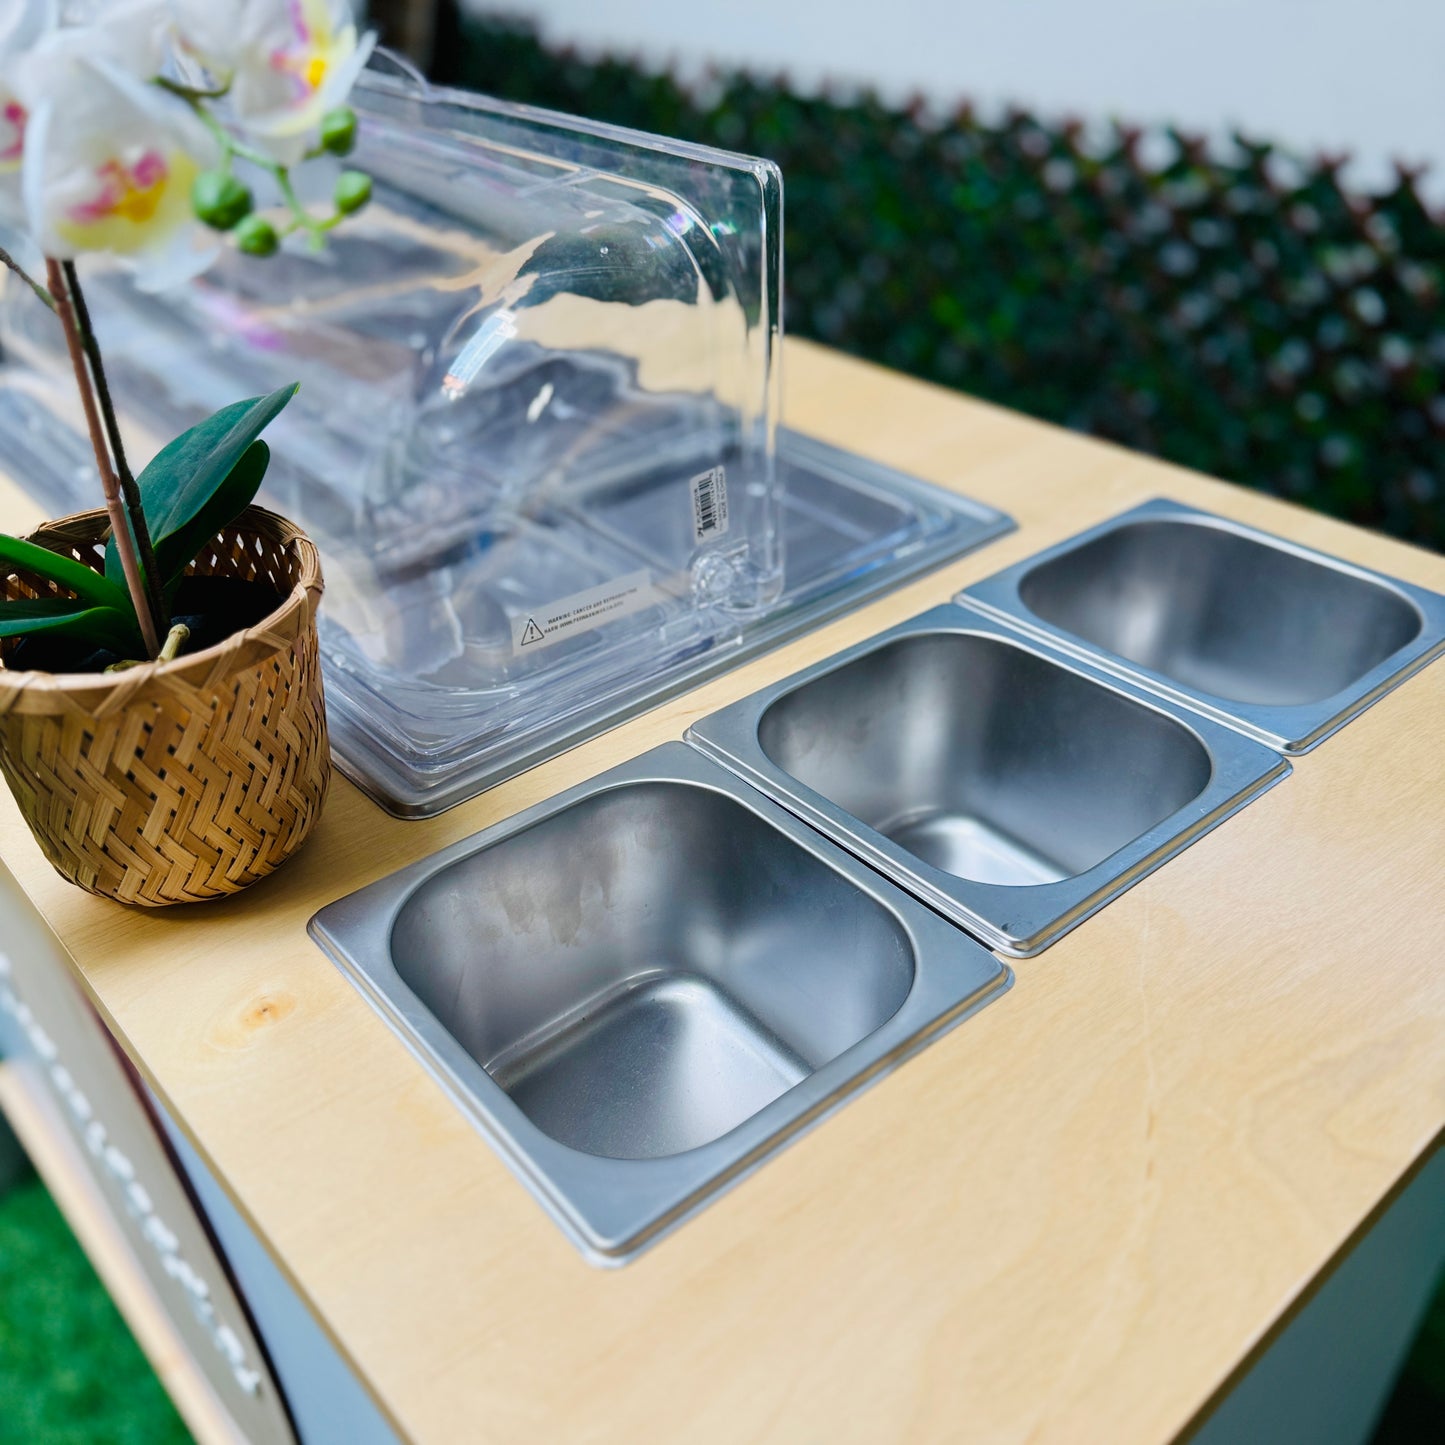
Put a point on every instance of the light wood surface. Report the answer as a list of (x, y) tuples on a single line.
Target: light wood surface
[(59, 1164), (1068, 1220)]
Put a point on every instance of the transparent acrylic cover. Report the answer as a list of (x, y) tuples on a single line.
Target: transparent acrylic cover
[(534, 436)]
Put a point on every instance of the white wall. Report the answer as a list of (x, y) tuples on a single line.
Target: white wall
[(1361, 75)]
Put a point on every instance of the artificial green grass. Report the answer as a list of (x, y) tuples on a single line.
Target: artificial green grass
[(1427, 1360), (70, 1371), (1415, 1414)]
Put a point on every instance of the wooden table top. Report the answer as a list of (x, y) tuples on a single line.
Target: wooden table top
[(1070, 1219)]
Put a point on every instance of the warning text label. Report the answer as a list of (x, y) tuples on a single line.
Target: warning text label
[(554, 622)]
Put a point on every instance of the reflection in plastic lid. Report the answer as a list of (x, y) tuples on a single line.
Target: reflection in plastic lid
[(492, 334)]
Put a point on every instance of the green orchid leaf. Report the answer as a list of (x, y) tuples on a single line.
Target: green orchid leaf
[(183, 479), (65, 572), (105, 626), (226, 503)]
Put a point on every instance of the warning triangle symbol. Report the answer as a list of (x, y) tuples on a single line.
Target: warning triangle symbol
[(531, 632)]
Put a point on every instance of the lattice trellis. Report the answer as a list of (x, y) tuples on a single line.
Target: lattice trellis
[(1242, 312)]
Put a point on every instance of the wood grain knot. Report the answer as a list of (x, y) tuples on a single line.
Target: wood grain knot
[(241, 1028), (268, 1009)]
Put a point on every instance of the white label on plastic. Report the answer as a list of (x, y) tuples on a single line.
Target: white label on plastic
[(582, 611), (709, 504)]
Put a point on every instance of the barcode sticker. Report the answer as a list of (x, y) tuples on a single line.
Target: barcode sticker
[(709, 505)]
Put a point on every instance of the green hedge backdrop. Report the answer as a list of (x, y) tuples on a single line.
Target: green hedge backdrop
[(1234, 309)]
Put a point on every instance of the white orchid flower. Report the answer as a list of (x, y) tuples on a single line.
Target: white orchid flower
[(111, 109), (208, 32), (109, 165), (132, 35), (40, 44), (22, 24), (287, 62)]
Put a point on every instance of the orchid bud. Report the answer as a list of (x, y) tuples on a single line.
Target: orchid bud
[(219, 199), (353, 191), (256, 236), (338, 130)]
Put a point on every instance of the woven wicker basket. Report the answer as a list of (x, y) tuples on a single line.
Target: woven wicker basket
[(178, 781)]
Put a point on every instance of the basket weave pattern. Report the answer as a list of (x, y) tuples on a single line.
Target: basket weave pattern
[(179, 781)]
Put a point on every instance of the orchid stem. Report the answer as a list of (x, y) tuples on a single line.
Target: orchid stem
[(233, 150), (27, 278), (193, 93), (174, 639), (125, 543), (150, 572)]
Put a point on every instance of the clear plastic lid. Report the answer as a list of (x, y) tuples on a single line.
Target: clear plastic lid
[(535, 431)]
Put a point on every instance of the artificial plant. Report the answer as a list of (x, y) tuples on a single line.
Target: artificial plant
[(143, 129)]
